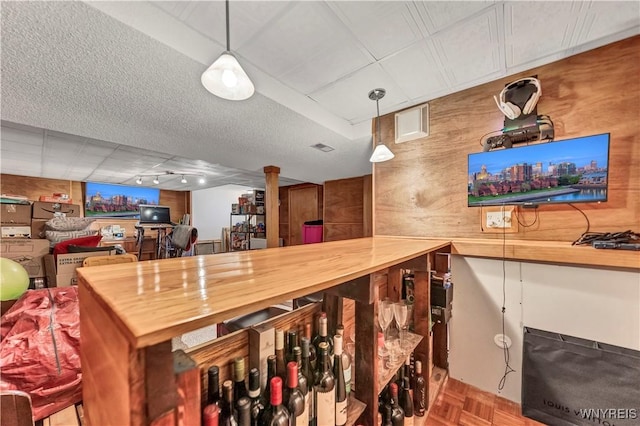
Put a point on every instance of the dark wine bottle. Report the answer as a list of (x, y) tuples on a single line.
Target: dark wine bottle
[(322, 334), (271, 373), (407, 402), (386, 415), (210, 415), (292, 342), (341, 386), (419, 392), (244, 411), (213, 388), (303, 386), (258, 404), (228, 416), (324, 388), (308, 372), (239, 386), (397, 414), (312, 349), (281, 369), (276, 414), (293, 399)]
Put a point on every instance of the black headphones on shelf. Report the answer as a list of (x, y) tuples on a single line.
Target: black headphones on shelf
[(513, 111)]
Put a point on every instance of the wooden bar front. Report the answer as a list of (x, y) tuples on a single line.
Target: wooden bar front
[(129, 311)]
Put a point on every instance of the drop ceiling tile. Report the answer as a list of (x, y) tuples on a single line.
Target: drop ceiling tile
[(416, 71), (246, 18), (349, 97), (382, 27), (438, 15), (471, 51), (21, 135), (305, 53), (34, 152), (534, 30), (601, 19)]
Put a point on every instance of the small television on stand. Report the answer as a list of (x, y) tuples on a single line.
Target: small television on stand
[(567, 171)]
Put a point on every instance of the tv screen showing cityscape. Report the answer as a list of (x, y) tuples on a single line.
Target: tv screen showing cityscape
[(567, 171), (117, 201)]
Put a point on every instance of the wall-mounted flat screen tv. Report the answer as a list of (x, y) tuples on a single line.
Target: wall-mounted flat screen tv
[(117, 201), (566, 171)]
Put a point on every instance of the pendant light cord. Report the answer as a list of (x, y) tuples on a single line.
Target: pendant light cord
[(228, 43), (378, 120)]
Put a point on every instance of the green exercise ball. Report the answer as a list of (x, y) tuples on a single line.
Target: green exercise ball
[(14, 279)]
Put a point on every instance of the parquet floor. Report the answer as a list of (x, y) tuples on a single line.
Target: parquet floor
[(461, 404)]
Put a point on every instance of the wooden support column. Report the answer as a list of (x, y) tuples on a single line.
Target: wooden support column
[(366, 359), (272, 210)]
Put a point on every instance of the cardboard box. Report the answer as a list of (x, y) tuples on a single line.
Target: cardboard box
[(43, 210), (15, 214), (28, 253), (20, 231), (38, 227), (61, 272), (262, 343), (56, 198)]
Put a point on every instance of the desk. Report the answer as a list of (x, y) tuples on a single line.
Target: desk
[(161, 236)]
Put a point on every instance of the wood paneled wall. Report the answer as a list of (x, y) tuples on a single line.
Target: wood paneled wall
[(312, 209), (422, 191), (347, 212), (33, 187)]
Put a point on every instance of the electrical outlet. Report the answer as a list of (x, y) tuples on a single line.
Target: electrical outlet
[(500, 219)]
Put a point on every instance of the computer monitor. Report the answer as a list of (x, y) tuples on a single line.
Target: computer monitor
[(151, 214)]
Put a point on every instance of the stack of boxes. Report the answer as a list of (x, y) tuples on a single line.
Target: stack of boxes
[(23, 241)]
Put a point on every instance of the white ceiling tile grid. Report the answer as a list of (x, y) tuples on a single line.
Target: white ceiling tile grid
[(103, 90)]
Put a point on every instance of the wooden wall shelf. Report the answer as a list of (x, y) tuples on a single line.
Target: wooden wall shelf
[(548, 252)]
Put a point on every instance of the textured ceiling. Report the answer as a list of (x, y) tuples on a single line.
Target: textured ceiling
[(124, 77)]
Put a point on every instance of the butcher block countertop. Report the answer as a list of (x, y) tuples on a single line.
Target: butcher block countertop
[(153, 301)]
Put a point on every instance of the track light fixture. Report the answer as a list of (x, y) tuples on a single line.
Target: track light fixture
[(183, 176), (183, 180), (156, 180), (381, 152), (139, 180)]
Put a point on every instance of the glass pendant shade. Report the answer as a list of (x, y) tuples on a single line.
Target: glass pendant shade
[(380, 154), (226, 79)]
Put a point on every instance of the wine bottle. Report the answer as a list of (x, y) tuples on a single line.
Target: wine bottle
[(397, 414), (386, 415), (293, 399), (407, 402), (258, 404), (322, 334), (210, 415), (228, 416), (303, 386), (213, 388), (271, 373), (281, 369), (244, 411), (292, 342), (308, 372), (419, 392), (239, 386), (324, 388), (341, 387), (276, 414), (312, 349), (346, 359)]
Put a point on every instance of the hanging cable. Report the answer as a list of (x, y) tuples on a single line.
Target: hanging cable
[(505, 349)]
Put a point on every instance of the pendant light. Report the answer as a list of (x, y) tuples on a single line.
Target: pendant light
[(381, 152), (225, 78)]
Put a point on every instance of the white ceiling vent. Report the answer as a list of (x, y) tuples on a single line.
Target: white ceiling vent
[(322, 147), (412, 123)]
